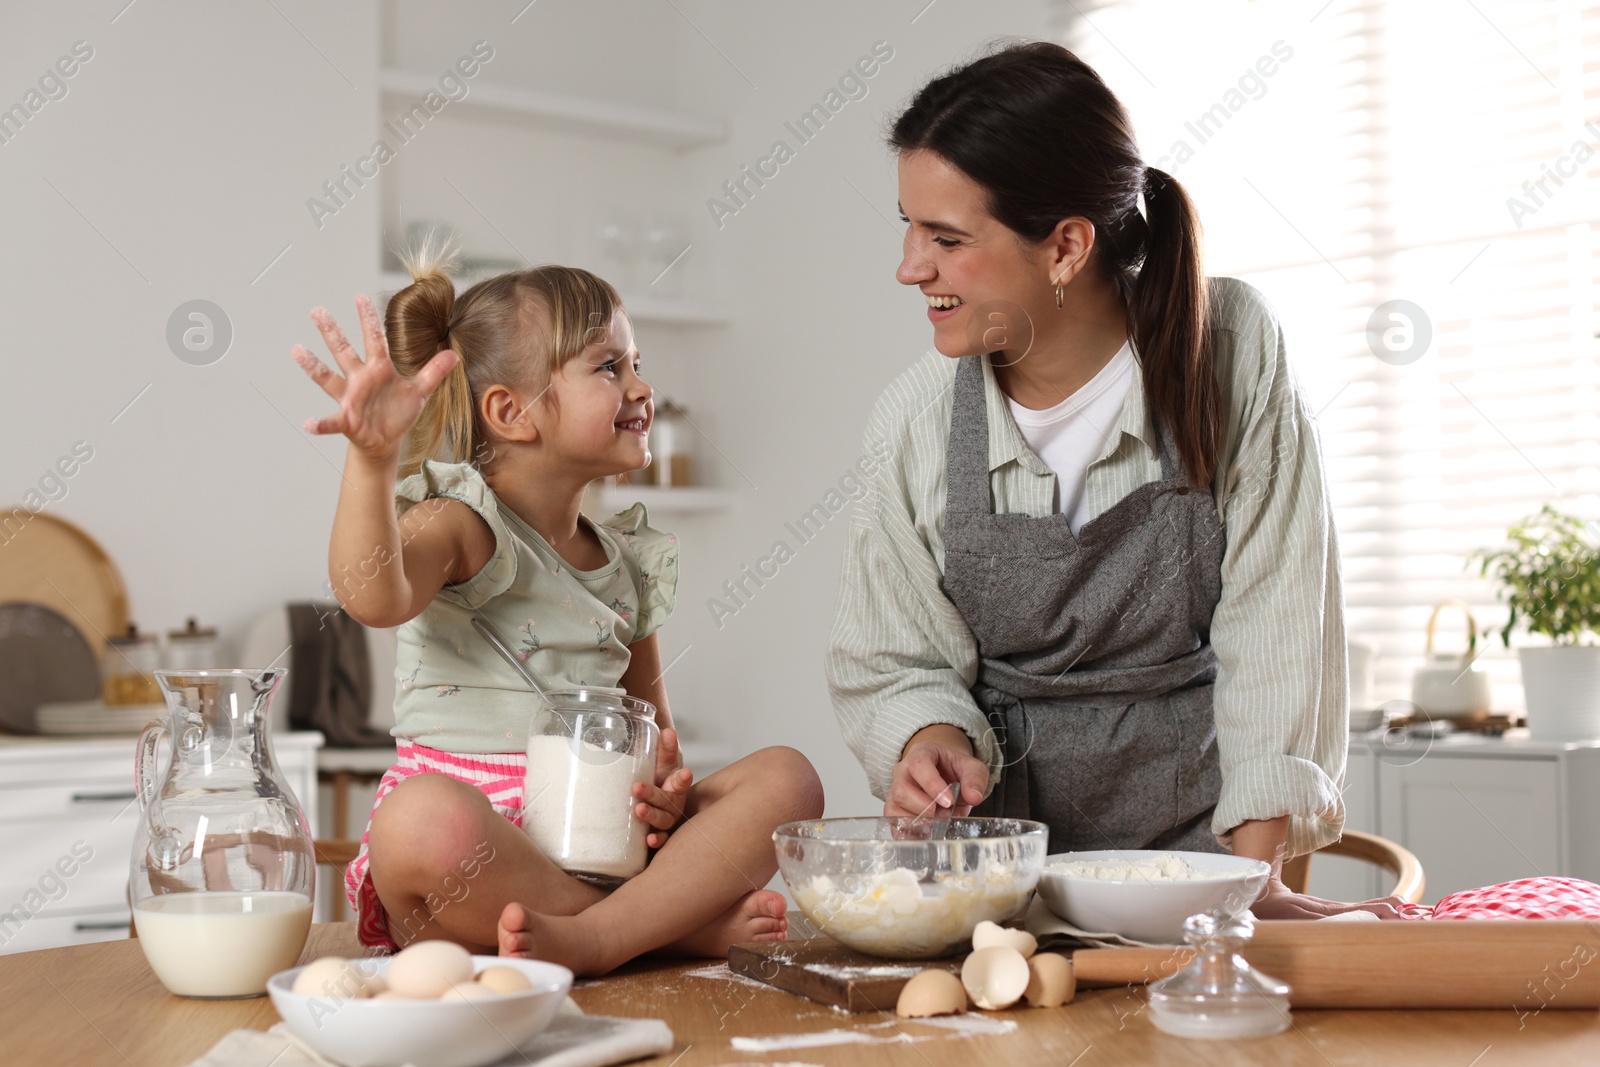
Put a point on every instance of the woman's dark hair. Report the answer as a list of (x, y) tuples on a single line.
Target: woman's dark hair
[(1046, 139)]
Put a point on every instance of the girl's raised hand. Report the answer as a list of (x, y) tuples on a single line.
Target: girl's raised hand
[(377, 407)]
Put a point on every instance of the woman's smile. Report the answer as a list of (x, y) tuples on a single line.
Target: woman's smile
[(942, 306)]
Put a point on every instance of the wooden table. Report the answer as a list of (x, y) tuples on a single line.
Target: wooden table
[(100, 1004)]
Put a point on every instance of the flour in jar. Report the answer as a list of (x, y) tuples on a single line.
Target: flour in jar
[(579, 806), (1163, 868)]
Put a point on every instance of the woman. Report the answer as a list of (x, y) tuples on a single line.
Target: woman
[(1096, 581)]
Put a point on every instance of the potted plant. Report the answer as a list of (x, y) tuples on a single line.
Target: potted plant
[(1549, 577)]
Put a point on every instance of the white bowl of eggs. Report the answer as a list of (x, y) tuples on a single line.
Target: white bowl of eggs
[(432, 1005)]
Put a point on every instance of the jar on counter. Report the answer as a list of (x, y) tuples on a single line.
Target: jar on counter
[(128, 670), (671, 441), (193, 648)]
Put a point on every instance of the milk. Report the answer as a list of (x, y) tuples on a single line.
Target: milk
[(579, 806), (221, 944)]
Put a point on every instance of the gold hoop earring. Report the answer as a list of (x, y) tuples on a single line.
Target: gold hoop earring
[(1060, 292)]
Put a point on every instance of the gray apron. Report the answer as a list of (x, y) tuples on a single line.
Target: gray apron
[(1096, 665)]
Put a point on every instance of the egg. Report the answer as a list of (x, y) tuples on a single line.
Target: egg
[(467, 991), (504, 979), (1051, 982), (931, 992), (329, 977), (995, 977), (428, 968), (389, 994), (366, 972), (988, 934)]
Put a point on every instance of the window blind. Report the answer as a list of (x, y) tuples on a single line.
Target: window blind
[(1350, 153)]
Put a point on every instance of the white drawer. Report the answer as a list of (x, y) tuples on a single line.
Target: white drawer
[(52, 930), (93, 799), (33, 851)]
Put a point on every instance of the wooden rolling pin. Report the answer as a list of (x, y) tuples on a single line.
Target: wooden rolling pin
[(1523, 964)]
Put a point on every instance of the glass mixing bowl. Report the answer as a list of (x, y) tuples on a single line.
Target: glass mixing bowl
[(909, 888)]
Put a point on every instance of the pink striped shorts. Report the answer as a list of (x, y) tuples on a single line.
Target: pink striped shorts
[(498, 774)]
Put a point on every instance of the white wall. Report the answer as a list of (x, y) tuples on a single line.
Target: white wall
[(195, 135), (186, 147), (822, 327)]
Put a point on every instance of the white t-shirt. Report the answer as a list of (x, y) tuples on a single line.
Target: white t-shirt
[(1072, 434)]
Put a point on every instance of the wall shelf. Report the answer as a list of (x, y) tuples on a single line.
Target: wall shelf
[(558, 111), (663, 311)]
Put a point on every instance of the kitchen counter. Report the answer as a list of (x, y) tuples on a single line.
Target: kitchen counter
[(100, 1004)]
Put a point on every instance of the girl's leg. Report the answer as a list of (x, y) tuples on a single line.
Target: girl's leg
[(702, 890), (444, 863)]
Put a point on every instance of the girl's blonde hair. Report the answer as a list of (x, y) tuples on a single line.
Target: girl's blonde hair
[(516, 329)]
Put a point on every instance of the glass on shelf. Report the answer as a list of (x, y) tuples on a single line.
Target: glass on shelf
[(665, 240)]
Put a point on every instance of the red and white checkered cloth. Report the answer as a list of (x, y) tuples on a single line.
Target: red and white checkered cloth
[(1526, 898)]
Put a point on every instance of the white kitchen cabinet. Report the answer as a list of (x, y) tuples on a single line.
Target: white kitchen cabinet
[(67, 818), (1476, 810)]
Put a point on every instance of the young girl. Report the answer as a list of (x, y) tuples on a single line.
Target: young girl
[(499, 406)]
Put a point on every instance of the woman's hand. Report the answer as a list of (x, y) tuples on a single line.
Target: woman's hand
[(1277, 901), (663, 805), (377, 407), (935, 757)]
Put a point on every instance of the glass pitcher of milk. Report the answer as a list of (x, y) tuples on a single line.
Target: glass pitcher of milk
[(223, 870), (586, 749)]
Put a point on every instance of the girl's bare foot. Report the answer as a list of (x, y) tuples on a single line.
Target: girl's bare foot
[(561, 939), (759, 915), (572, 941)]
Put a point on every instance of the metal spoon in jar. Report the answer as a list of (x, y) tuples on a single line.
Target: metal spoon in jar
[(496, 642)]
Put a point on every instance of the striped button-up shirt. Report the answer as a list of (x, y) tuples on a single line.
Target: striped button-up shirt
[(902, 658)]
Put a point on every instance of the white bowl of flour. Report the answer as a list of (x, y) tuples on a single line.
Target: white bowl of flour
[(1146, 894)]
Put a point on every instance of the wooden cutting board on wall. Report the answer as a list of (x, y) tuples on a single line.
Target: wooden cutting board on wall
[(1526, 965)]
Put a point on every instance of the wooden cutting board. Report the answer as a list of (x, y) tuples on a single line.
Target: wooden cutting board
[(1526, 965), (823, 970)]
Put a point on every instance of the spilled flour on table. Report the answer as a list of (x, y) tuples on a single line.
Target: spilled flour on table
[(848, 972), (955, 1026), (970, 1024), (722, 973)]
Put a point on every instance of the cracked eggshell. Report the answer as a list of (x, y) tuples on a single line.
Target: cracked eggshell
[(987, 935), (1051, 982), (995, 977), (931, 992)]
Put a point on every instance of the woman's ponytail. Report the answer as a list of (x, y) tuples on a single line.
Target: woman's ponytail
[(1168, 308)]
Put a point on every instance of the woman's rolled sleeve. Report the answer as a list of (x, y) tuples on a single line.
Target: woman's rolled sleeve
[(1278, 629)]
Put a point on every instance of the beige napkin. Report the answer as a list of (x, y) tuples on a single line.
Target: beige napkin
[(570, 1041), (1046, 925)]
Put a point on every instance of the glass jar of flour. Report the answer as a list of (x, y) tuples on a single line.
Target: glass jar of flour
[(586, 749)]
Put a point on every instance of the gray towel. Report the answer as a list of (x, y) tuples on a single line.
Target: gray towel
[(330, 685)]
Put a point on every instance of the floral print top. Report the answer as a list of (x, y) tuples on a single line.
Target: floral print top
[(569, 628)]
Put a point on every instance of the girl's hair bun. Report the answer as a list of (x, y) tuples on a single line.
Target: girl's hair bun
[(419, 316)]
